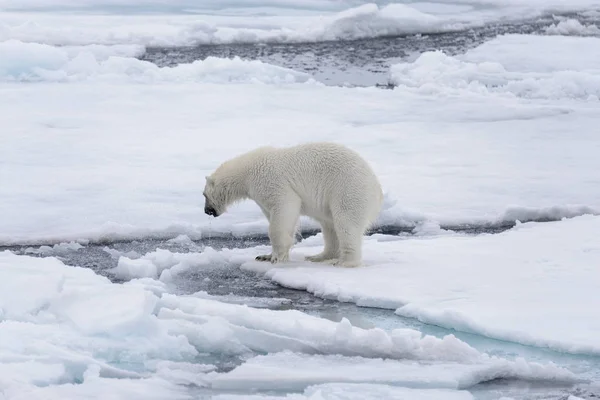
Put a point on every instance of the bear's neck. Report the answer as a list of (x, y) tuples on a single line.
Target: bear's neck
[(237, 185)]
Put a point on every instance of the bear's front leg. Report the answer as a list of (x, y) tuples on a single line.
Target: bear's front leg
[(282, 225), (264, 257), (281, 241)]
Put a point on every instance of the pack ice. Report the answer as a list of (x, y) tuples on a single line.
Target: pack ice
[(100, 147)]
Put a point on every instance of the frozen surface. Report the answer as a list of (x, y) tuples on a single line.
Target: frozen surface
[(341, 391), (68, 333), (185, 23), (121, 150), (295, 372), (515, 53), (534, 284), (33, 62), (514, 65), (100, 146), (573, 27), (364, 21)]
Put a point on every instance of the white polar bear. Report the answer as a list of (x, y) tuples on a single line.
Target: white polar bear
[(325, 181)]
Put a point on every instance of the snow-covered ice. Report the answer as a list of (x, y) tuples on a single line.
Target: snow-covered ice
[(186, 23), (352, 391), (515, 65), (573, 27), (363, 21), (31, 62), (297, 371), (449, 280), (67, 333), (121, 152), (99, 146), (534, 284)]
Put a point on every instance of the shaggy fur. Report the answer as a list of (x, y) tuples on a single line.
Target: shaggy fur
[(325, 181)]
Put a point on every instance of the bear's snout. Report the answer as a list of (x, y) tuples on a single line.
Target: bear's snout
[(210, 211)]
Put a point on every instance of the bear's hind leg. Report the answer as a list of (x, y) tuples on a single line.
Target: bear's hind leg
[(282, 227), (350, 236), (331, 250)]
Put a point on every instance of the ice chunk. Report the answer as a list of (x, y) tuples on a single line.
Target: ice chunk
[(57, 249), (369, 20), (353, 391), (189, 23), (37, 62), (165, 264), (67, 332), (295, 372), (94, 386), (572, 27), (514, 53), (255, 302), (518, 65), (59, 322), (456, 281), (118, 310), (182, 240), (256, 329)]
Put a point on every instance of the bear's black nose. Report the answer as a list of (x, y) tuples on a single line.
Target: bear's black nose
[(210, 211)]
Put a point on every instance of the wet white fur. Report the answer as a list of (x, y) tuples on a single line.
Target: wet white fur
[(325, 181)]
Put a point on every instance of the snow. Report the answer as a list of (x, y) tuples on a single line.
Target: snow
[(105, 161), (250, 301), (69, 333), (163, 264), (447, 279), (517, 65), (364, 21), (99, 146), (32, 62), (28, 60), (119, 150), (188, 23), (573, 27), (337, 391), (234, 329), (539, 279), (57, 249), (515, 53), (297, 371)]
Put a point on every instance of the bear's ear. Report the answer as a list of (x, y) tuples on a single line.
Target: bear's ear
[(210, 180)]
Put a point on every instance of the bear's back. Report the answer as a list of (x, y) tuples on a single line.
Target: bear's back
[(323, 170), (326, 160)]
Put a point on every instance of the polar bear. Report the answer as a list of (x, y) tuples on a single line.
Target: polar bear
[(325, 181)]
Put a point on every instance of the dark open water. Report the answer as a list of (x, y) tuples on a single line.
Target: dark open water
[(360, 62)]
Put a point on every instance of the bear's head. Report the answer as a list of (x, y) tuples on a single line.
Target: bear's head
[(215, 198)]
